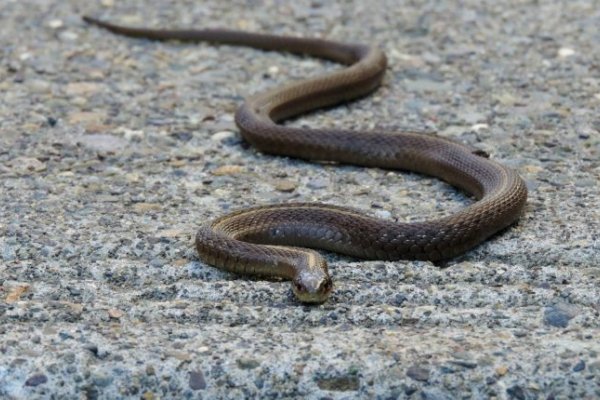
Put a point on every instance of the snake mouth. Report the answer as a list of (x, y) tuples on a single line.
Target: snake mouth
[(312, 291)]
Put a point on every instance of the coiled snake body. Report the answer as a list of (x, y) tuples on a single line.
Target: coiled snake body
[(273, 240)]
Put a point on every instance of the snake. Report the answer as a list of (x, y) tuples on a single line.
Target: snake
[(279, 241)]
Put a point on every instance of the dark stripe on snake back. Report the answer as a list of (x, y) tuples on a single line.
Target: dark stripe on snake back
[(273, 240)]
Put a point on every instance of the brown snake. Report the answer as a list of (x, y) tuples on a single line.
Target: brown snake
[(257, 240)]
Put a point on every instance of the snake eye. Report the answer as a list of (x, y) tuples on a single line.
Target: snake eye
[(299, 287), (327, 285)]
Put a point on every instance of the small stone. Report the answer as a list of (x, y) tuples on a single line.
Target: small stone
[(409, 59), (86, 117), (222, 136), (472, 117), (423, 311), (565, 52), (559, 315), (247, 363), (506, 99), (435, 394), (479, 127), (36, 380), (101, 379), (418, 373), (79, 101), (339, 384), (131, 134), (157, 262), (82, 88), (197, 381), (146, 207), (533, 169), (96, 74), (113, 171), (318, 183), (107, 3), (171, 233), (39, 86), (580, 366), (27, 165), (411, 389), (15, 293), (517, 392), (148, 396), (586, 182), (383, 214), (228, 170), (180, 262), (399, 299), (594, 366), (68, 36), (55, 23), (114, 313), (501, 370), (285, 186), (454, 130), (75, 308), (464, 364), (180, 355), (104, 143), (133, 177), (182, 136), (426, 85)]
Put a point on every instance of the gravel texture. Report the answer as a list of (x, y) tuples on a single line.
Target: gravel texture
[(113, 150)]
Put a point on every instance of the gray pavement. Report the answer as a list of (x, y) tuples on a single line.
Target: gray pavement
[(114, 150)]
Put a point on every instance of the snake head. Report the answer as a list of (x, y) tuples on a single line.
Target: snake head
[(312, 288)]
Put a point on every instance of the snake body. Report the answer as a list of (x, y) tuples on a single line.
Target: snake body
[(274, 240)]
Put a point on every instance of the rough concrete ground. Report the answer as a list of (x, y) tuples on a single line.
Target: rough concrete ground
[(113, 150)]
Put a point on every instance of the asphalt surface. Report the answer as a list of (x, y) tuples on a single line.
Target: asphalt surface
[(113, 151)]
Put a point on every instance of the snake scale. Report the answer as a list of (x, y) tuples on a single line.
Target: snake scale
[(274, 240)]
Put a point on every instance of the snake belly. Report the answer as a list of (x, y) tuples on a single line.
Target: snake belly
[(276, 240)]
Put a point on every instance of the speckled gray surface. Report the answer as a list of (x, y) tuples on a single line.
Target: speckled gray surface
[(113, 150)]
